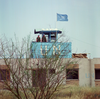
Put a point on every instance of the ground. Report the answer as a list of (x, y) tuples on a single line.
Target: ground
[(65, 92)]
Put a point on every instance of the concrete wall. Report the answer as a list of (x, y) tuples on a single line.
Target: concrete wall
[(95, 61), (86, 70)]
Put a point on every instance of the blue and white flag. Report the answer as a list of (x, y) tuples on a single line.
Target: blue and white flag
[(62, 17)]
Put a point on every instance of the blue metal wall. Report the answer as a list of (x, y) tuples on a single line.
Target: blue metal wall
[(49, 49)]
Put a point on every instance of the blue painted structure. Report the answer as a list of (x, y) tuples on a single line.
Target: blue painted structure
[(52, 47)]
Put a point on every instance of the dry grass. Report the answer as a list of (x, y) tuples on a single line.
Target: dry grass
[(65, 92), (4, 94), (76, 92)]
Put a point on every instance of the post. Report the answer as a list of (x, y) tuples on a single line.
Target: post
[(56, 26)]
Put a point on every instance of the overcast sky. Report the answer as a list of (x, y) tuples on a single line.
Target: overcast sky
[(21, 17)]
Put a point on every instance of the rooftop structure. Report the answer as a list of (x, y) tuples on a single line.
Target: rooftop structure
[(51, 47), (52, 34)]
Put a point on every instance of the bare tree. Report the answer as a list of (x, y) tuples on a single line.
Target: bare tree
[(27, 77)]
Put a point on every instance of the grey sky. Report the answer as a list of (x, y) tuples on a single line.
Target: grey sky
[(83, 27)]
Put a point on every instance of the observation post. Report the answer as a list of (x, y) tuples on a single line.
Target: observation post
[(51, 47)]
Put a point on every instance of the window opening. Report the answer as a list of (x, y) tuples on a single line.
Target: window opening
[(4, 75), (71, 74), (97, 73), (39, 77), (52, 71)]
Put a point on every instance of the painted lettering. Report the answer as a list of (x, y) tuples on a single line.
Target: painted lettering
[(44, 51), (87, 75), (55, 48)]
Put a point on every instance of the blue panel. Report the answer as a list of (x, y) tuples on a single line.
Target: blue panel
[(49, 49)]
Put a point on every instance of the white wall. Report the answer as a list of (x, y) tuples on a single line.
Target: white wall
[(86, 69)]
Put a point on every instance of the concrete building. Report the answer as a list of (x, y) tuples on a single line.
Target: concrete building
[(79, 70), (86, 72)]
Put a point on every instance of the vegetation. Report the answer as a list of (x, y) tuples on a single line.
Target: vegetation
[(64, 92), (30, 78), (77, 92)]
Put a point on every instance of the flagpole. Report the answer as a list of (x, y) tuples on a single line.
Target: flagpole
[(56, 20), (56, 26)]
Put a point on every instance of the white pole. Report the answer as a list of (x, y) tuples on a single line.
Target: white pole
[(56, 26)]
